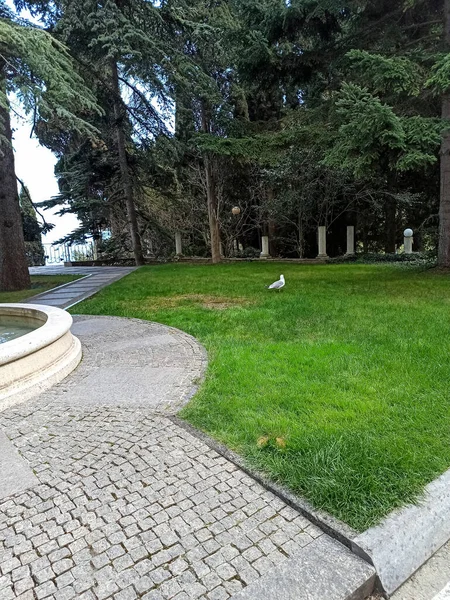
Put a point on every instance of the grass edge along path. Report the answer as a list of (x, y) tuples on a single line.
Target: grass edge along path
[(336, 387), (39, 284)]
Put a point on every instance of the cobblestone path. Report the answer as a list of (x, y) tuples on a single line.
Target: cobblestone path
[(127, 504)]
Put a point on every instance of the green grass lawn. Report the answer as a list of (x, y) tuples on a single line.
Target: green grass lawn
[(337, 386), (39, 284)]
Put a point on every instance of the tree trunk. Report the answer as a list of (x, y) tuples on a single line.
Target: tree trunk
[(301, 235), (390, 210), (211, 196), (123, 165), (14, 273), (272, 230), (444, 204)]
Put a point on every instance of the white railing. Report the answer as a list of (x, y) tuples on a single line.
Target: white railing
[(55, 255)]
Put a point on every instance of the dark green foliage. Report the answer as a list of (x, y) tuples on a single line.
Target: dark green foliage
[(31, 230), (307, 113)]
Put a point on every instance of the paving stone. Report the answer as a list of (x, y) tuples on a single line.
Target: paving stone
[(23, 585), (64, 580), (127, 594), (44, 590), (64, 594), (144, 584), (226, 571), (9, 565), (153, 595), (219, 593)]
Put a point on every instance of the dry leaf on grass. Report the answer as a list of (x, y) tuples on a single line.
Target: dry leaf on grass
[(262, 441)]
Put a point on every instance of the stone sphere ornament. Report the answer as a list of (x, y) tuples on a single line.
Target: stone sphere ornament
[(236, 210), (408, 233)]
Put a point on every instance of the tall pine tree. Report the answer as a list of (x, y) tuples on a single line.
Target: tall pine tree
[(38, 72)]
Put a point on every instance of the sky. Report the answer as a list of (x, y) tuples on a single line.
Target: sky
[(35, 167)]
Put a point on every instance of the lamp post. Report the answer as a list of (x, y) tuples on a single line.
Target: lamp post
[(408, 240)]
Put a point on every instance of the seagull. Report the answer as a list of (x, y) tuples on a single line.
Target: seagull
[(278, 284)]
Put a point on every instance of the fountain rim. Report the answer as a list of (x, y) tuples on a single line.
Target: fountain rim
[(55, 324)]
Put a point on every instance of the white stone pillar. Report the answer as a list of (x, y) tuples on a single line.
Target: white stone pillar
[(350, 240), (178, 244), (265, 247), (408, 241), (322, 234)]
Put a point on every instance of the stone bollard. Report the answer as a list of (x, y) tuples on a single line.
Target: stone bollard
[(178, 244), (408, 241), (350, 241), (265, 247), (322, 234)]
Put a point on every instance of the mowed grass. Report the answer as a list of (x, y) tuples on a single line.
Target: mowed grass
[(337, 386), (39, 284)]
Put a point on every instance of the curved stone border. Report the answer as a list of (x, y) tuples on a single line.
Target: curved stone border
[(37, 360)]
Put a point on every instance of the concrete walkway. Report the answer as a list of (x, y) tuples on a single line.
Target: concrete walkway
[(65, 296), (112, 500), (430, 582)]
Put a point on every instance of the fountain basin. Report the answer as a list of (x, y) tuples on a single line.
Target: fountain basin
[(35, 361)]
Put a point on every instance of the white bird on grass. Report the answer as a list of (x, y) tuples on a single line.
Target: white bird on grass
[(277, 285)]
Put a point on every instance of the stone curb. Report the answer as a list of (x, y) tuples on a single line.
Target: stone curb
[(100, 287), (58, 287), (408, 537)]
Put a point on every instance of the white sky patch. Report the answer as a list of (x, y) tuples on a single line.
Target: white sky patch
[(35, 167)]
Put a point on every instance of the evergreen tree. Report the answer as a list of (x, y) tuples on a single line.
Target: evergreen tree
[(31, 230), (441, 81), (203, 84), (39, 71), (121, 43)]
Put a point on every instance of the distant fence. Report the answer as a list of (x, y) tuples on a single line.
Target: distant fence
[(55, 255)]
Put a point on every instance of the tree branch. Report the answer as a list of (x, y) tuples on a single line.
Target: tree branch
[(45, 226)]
